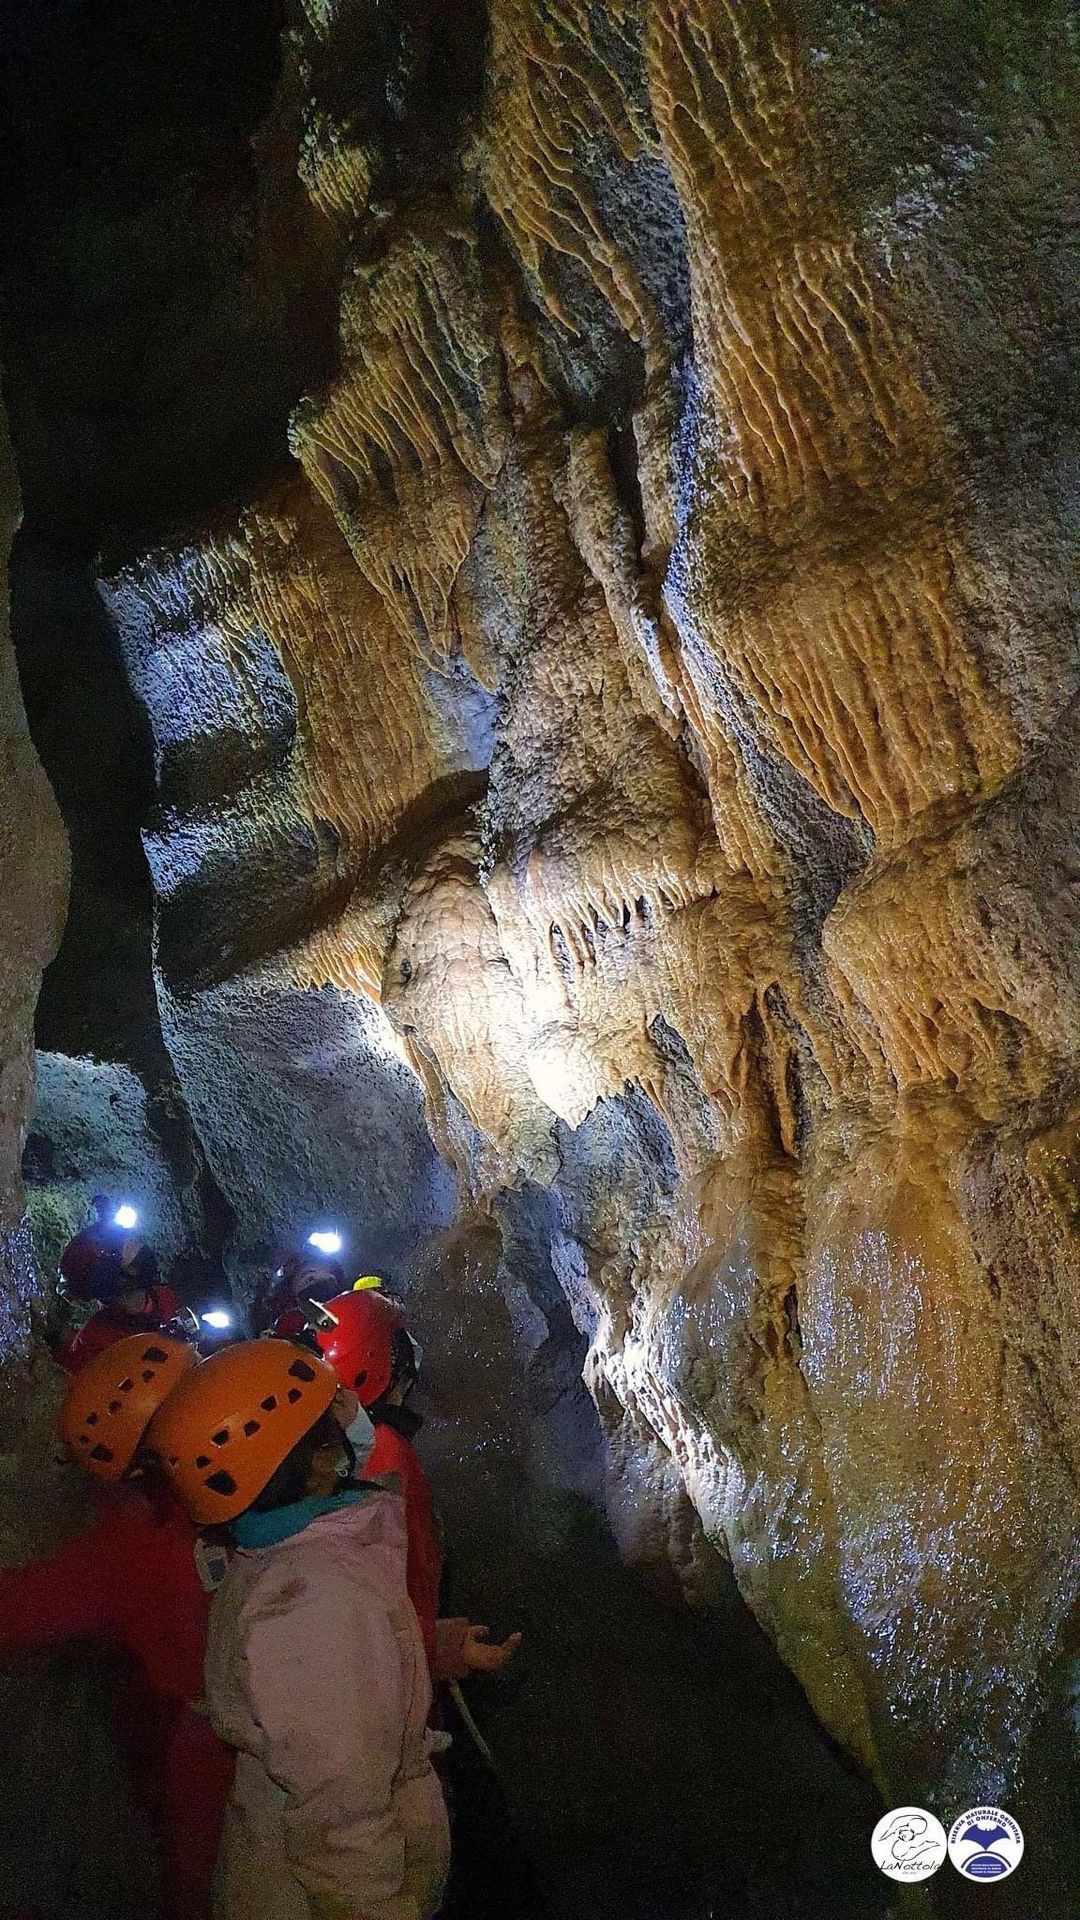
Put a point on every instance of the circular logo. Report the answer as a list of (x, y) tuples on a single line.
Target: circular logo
[(909, 1844), (985, 1844)]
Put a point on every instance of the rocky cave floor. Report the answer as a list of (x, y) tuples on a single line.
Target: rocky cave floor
[(780, 1823)]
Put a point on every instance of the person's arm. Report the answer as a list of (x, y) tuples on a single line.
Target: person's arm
[(61, 1598), (462, 1648), (325, 1682), (423, 1569)]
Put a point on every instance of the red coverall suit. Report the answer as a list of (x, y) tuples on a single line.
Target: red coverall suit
[(392, 1453), (132, 1580)]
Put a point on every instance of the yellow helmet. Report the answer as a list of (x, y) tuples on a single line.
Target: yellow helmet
[(366, 1281)]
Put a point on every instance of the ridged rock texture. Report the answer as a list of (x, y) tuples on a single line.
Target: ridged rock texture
[(643, 717)]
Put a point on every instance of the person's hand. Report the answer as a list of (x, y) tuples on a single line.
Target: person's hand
[(345, 1407), (481, 1656)]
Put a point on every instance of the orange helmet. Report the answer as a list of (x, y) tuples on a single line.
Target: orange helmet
[(111, 1401), (226, 1430), (360, 1335)]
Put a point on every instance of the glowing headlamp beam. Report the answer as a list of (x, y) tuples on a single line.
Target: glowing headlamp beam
[(126, 1217), (217, 1318), (326, 1242)]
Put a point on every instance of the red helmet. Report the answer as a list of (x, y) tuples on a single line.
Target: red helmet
[(110, 1324), (358, 1338), (305, 1270), (92, 1265), (290, 1324)]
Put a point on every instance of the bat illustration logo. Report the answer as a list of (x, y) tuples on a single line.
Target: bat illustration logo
[(986, 1844), (984, 1837)]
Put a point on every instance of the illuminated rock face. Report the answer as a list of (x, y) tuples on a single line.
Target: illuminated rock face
[(651, 690)]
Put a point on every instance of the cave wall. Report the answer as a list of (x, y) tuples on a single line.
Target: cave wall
[(93, 1130), (108, 1115), (164, 299), (33, 878), (644, 712), (37, 1504)]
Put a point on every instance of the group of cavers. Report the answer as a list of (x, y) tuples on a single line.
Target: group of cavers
[(264, 1551)]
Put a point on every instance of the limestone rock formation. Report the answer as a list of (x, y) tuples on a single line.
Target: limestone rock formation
[(33, 879), (643, 718)]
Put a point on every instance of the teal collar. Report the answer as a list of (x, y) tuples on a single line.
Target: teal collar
[(269, 1529)]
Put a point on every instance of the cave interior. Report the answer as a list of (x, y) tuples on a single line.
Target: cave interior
[(538, 680)]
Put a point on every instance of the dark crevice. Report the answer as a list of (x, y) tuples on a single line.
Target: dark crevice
[(403, 78), (152, 348), (98, 995), (792, 1328), (759, 1055), (622, 456), (98, 1000), (152, 344)]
